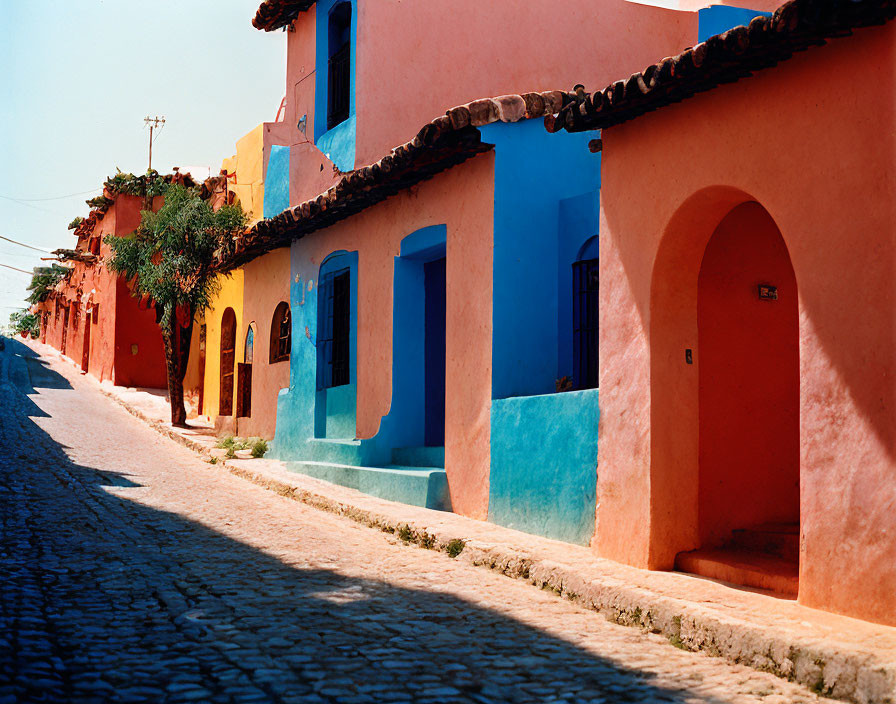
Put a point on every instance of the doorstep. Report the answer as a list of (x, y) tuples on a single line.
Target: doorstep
[(410, 485)]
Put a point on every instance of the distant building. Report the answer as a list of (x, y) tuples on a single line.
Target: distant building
[(92, 317)]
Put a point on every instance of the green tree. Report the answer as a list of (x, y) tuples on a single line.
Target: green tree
[(170, 259)]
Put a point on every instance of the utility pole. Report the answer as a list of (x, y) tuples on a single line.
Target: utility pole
[(154, 123)]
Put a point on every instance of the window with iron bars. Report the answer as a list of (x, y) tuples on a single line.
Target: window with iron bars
[(281, 330), (339, 86), (334, 330), (585, 279)]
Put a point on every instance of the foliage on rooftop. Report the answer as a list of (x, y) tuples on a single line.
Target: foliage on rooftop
[(44, 281), (24, 322)]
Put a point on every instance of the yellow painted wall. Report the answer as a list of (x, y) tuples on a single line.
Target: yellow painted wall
[(231, 295), (248, 165)]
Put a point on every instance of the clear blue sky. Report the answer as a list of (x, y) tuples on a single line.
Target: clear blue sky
[(77, 77)]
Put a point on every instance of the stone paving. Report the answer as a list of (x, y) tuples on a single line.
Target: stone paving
[(130, 570)]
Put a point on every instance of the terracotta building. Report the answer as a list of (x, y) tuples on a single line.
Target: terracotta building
[(747, 326), (91, 315)]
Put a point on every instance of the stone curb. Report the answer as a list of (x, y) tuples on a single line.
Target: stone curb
[(823, 668)]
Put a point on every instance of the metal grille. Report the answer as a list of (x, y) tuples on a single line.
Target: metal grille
[(334, 330), (281, 330), (339, 86), (585, 280)]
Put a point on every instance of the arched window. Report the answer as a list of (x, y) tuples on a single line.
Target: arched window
[(281, 329), (250, 344), (244, 376), (585, 280), (339, 65), (228, 353)]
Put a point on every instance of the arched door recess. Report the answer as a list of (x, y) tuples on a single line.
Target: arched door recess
[(748, 406)]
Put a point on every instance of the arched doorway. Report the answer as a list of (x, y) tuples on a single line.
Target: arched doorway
[(748, 406), (228, 358)]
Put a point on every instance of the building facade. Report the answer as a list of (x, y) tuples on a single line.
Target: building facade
[(748, 410), (91, 316)]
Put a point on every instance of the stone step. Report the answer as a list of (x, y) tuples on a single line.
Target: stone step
[(416, 486), (419, 456), (777, 539), (747, 568)]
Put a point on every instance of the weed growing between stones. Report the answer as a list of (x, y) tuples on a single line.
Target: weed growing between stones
[(259, 447), (427, 541), (455, 547)]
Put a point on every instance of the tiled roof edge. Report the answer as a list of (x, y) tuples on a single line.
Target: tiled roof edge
[(723, 58), (273, 14), (440, 144)]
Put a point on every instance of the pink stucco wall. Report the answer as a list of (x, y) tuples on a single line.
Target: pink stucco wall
[(820, 162), (462, 199), (265, 284), (416, 60)]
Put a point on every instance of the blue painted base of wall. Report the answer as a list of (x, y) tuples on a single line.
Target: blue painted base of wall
[(544, 464), (415, 486)]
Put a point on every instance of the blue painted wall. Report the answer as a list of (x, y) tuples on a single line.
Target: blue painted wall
[(544, 464), (338, 143), (276, 183), (716, 19), (543, 470), (335, 411), (405, 424), (579, 217), (535, 240), (313, 425)]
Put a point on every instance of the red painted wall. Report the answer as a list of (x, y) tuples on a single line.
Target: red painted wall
[(749, 389), (119, 322), (139, 352)]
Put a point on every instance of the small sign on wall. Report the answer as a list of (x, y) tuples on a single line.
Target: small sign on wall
[(768, 293)]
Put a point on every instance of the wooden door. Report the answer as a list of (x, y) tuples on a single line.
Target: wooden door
[(228, 358), (85, 355), (244, 390)]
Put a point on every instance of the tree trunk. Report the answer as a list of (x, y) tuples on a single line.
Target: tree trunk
[(175, 381)]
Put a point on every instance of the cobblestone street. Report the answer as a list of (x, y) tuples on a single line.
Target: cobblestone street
[(131, 570)]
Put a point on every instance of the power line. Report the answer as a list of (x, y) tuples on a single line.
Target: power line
[(16, 269), (22, 244), (27, 255), (38, 200)]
